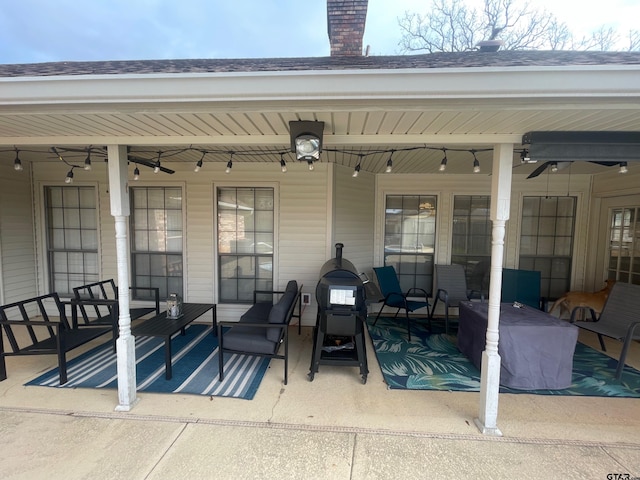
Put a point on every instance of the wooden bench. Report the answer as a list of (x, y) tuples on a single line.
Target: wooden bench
[(619, 319), (42, 335)]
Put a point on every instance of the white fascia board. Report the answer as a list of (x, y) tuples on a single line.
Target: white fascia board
[(244, 88)]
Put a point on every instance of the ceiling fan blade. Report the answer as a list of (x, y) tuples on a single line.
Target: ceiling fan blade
[(606, 164), (539, 170), (150, 164)]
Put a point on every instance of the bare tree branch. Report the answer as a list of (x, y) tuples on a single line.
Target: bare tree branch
[(452, 26)]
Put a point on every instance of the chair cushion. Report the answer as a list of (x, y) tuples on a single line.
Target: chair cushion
[(249, 339), (258, 313), (278, 314), (292, 286)]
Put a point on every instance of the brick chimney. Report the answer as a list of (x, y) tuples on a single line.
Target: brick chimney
[(345, 22)]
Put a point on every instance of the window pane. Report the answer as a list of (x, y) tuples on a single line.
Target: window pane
[(157, 228), (72, 237), (546, 241), (472, 239), (410, 222), (245, 242)]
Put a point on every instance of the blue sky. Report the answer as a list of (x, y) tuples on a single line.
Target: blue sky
[(77, 30)]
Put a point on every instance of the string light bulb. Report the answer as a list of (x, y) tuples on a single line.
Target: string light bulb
[(356, 171), (476, 163), (136, 173), (283, 164), (310, 163), (623, 167), (554, 167), (17, 164), (69, 178), (229, 165), (443, 163), (389, 163), (199, 164), (156, 167), (87, 161)]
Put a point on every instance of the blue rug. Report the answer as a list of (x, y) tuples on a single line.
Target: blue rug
[(433, 362), (195, 367)]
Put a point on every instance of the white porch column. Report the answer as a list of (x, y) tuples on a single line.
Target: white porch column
[(490, 375), (125, 345)]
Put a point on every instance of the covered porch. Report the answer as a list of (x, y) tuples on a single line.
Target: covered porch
[(411, 110)]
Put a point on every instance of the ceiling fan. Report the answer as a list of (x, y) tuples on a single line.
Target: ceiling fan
[(555, 166)]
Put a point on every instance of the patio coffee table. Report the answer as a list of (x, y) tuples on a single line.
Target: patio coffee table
[(536, 349), (161, 326)]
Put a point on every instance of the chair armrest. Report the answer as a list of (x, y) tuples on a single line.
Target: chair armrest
[(254, 324), (265, 292), (422, 293), (155, 290), (572, 319), (91, 301), (34, 323), (442, 295)]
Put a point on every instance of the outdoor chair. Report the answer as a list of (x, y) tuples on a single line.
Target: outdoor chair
[(394, 297), (451, 281), (619, 319)]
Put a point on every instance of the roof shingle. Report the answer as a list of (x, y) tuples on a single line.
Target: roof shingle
[(435, 60)]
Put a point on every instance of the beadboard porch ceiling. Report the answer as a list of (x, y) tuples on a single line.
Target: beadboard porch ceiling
[(416, 113)]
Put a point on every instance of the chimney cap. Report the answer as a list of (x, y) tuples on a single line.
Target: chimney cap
[(489, 45)]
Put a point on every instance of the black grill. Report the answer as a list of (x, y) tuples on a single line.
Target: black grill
[(342, 312)]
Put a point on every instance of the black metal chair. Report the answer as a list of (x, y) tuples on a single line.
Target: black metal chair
[(396, 298)]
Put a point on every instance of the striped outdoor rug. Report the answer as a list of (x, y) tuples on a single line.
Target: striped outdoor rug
[(195, 367)]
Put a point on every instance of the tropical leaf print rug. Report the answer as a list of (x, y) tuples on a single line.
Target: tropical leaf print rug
[(433, 362)]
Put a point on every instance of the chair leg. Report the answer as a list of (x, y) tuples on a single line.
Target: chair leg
[(623, 353), (220, 354), (378, 316), (446, 318), (602, 346)]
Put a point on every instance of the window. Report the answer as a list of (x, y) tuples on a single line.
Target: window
[(624, 245), (471, 243), (245, 242), (409, 239), (156, 226), (72, 237), (546, 241)]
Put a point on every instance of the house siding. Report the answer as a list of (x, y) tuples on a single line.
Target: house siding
[(354, 216), (17, 244), (314, 210)]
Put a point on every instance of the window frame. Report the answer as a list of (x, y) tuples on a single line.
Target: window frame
[(408, 279), (50, 250), (218, 264), (532, 260), (477, 266), (143, 294)]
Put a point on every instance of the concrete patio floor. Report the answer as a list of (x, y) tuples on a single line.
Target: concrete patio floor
[(332, 428)]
